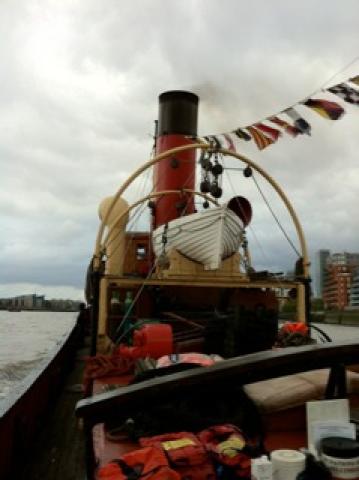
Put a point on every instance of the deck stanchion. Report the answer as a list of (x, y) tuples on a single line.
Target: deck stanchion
[(96, 276)]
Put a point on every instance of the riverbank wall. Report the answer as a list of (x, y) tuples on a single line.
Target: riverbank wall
[(345, 317)]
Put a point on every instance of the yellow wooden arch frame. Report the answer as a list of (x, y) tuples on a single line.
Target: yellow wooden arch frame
[(202, 146), (148, 197)]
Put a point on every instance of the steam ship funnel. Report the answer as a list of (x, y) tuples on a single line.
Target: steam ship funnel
[(177, 122), (177, 113)]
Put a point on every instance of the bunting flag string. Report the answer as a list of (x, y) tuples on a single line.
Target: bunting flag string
[(242, 134), (261, 140), (299, 122), (325, 108), (272, 133), (230, 143), (264, 135), (290, 129), (348, 94)]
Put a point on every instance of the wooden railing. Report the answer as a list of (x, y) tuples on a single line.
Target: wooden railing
[(243, 370)]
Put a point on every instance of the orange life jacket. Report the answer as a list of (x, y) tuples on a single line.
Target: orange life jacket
[(148, 463), (185, 453), (111, 471), (226, 444)]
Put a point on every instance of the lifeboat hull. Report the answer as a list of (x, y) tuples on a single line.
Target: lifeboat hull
[(206, 237)]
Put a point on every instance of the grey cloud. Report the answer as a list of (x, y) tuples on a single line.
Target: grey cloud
[(78, 95)]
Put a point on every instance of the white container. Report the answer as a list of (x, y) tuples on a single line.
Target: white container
[(342, 468), (341, 456), (287, 464), (261, 468)]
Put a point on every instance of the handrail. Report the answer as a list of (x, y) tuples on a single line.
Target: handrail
[(246, 369)]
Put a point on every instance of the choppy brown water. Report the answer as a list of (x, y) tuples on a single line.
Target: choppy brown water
[(26, 338)]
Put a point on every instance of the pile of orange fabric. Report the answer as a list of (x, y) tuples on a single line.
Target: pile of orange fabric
[(104, 366), (293, 334), (185, 453), (227, 447), (220, 451), (149, 463)]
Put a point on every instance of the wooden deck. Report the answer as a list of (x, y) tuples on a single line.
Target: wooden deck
[(58, 452)]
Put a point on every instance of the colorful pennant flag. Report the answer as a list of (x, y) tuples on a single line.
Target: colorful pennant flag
[(325, 108), (217, 141), (288, 128), (261, 140), (355, 80), (348, 94), (299, 122), (270, 132), (230, 143), (213, 139), (242, 134), (264, 135)]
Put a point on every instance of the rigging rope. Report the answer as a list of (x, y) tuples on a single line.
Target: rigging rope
[(137, 214), (355, 59), (139, 210), (188, 197), (276, 218), (129, 310), (320, 89), (276, 277)]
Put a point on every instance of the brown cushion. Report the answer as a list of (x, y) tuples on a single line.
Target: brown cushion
[(294, 390)]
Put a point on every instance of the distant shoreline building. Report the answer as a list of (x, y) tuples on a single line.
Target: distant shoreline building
[(28, 302), (38, 302), (339, 277), (354, 292), (322, 256)]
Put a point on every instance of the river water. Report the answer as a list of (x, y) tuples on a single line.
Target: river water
[(339, 332), (26, 338)]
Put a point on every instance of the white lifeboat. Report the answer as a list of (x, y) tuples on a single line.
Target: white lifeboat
[(207, 237)]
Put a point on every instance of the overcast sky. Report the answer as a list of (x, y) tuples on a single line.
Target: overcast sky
[(79, 82)]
